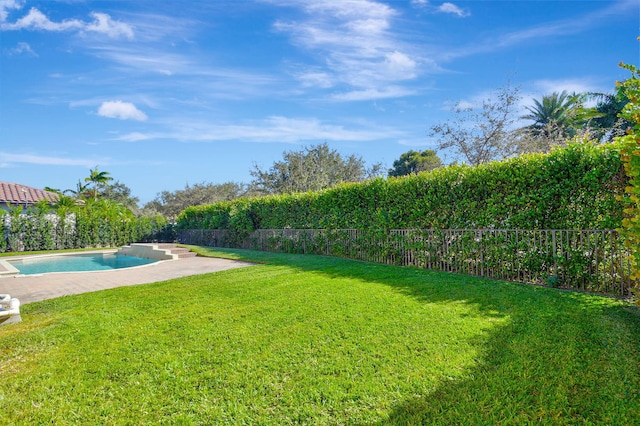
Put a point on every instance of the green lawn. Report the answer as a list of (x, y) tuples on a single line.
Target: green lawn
[(315, 340)]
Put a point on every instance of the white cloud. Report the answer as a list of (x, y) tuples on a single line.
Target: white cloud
[(354, 43), (446, 7), (36, 20), (103, 24), (399, 66), (21, 48), (467, 104), (136, 137), (121, 110), (419, 142), (9, 158), (546, 87), (548, 30), (315, 79), (271, 129), (373, 94), (453, 9), (148, 60), (6, 6)]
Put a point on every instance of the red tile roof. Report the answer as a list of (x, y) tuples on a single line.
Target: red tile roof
[(15, 193)]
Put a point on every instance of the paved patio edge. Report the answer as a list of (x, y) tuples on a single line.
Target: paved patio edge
[(34, 288)]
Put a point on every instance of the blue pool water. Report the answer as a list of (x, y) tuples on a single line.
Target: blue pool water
[(77, 263)]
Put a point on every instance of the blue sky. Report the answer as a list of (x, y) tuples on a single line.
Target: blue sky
[(165, 93)]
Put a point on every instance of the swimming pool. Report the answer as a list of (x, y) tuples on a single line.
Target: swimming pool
[(77, 263)]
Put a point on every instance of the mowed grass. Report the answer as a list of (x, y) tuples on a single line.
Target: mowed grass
[(315, 340)]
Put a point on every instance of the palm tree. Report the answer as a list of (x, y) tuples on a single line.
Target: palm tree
[(80, 191), (65, 202), (607, 124), (54, 190), (98, 179), (558, 115)]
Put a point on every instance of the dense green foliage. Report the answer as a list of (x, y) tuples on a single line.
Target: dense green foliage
[(101, 223), (558, 114), (310, 169), (570, 188), (170, 204), (608, 121), (631, 157), (322, 341), (413, 162)]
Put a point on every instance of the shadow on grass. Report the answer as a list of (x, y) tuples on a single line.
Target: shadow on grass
[(562, 358)]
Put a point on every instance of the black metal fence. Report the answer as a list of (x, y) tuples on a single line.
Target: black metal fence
[(589, 260)]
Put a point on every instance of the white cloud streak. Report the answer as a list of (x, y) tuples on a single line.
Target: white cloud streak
[(121, 110), (372, 94), (446, 7), (9, 158), (20, 49), (354, 43), (546, 87), (102, 23), (270, 129), (453, 9), (574, 25)]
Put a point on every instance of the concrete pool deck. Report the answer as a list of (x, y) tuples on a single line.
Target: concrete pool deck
[(33, 288)]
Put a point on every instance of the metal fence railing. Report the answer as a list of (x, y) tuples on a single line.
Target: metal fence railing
[(590, 260)]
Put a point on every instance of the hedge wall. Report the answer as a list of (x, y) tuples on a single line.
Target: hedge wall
[(38, 229), (576, 187)]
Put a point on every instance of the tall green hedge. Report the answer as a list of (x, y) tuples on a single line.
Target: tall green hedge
[(574, 187), (631, 158), (98, 224)]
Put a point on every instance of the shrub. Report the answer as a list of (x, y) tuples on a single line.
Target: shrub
[(570, 188), (631, 156)]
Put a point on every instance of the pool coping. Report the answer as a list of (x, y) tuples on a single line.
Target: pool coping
[(8, 270), (33, 288)]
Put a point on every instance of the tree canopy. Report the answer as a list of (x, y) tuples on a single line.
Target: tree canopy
[(120, 193), (483, 133), (311, 169), (413, 162), (170, 204)]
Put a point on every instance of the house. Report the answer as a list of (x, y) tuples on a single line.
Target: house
[(15, 194)]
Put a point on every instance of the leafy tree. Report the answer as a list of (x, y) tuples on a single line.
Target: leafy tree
[(170, 204), (415, 162), (120, 193), (480, 135), (99, 180), (311, 169)]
